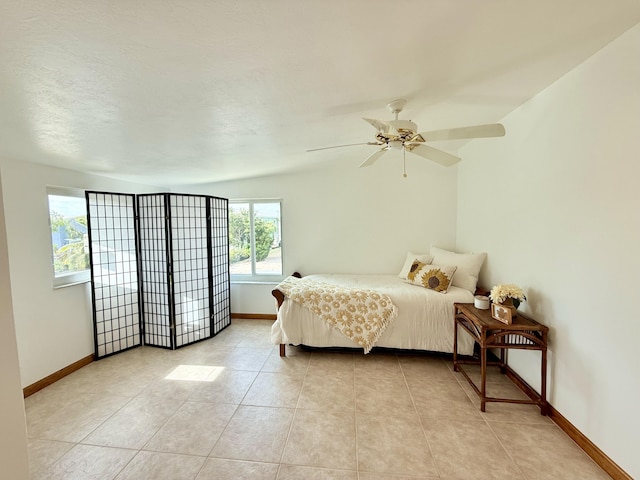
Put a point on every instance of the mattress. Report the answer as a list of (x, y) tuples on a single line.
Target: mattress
[(424, 321)]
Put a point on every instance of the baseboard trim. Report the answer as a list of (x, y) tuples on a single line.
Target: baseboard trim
[(576, 435), (254, 316), (597, 455), (54, 377)]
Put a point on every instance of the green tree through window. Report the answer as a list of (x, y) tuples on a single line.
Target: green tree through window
[(73, 255), (69, 235), (255, 226)]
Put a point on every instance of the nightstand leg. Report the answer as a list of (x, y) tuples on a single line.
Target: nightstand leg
[(483, 377), (543, 383), (455, 346)]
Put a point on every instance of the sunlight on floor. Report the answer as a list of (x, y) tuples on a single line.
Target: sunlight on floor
[(195, 373)]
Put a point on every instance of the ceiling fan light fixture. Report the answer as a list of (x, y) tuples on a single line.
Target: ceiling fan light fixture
[(396, 144)]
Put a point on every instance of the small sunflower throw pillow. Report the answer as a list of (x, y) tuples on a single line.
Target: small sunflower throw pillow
[(433, 277)]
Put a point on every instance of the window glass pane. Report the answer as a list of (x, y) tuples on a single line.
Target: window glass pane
[(69, 237), (239, 239), (255, 238), (267, 236)]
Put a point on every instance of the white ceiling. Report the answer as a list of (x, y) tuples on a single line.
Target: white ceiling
[(184, 91)]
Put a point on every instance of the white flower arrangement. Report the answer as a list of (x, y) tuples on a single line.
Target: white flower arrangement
[(500, 293)]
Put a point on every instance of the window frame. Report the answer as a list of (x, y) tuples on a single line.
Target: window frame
[(73, 278), (254, 277)]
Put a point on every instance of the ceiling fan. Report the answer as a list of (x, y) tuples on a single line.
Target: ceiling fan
[(403, 135)]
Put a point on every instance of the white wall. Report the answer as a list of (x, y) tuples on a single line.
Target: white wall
[(345, 219), (556, 206), (53, 327), (13, 439)]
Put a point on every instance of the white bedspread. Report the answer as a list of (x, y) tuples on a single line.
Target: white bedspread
[(424, 322)]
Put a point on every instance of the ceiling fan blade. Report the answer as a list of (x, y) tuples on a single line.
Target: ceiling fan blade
[(340, 146), (373, 157), (430, 153), (379, 125), (476, 131)]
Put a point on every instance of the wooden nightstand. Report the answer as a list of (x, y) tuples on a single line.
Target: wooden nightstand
[(524, 334)]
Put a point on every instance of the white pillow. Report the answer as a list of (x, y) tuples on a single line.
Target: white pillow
[(469, 265), (421, 257)]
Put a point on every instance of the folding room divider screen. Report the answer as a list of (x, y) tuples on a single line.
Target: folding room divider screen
[(160, 269)]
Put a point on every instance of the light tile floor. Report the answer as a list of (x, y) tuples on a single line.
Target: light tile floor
[(231, 408)]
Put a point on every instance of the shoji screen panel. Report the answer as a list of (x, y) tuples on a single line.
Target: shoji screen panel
[(189, 252), (220, 283), (157, 298), (114, 279)]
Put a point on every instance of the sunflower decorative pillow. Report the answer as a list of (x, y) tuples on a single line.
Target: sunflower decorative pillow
[(433, 277)]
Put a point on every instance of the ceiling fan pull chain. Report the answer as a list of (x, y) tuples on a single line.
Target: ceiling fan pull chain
[(404, 162)]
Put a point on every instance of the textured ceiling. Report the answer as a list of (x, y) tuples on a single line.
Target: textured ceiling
[(176, 91)]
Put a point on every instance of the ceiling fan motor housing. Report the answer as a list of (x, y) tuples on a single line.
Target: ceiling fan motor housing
[(403, 126)]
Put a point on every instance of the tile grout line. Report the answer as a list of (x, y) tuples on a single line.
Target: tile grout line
[(107, 446), (295, 413), (424, 433), (231, 418), (473, 397), (504, 447), (141, 449), (355, 420)]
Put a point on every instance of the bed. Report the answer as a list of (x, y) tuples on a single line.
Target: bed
[(424, 318), (418, 315)]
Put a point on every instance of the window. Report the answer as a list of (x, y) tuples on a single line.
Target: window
[(255, 242), (69, 236)]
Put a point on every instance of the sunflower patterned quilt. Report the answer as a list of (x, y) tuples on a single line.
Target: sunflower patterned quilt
[(362, 315)]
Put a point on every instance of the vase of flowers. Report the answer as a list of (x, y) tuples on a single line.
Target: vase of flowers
[(508, 295)]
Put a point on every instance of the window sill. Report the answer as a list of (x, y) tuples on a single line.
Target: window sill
[(71, 284), (255, 282)]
